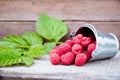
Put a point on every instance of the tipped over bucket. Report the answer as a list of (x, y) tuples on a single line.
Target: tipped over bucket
[(107, 44)]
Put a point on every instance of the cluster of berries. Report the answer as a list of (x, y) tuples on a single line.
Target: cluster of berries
[(78, 50)]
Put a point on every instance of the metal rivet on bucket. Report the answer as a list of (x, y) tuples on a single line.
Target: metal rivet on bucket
[(107, 44)]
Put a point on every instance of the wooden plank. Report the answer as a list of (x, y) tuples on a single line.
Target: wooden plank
[(19, 28), (83, 10)]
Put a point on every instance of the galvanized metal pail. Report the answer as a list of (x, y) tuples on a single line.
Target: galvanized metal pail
[(107, 44)]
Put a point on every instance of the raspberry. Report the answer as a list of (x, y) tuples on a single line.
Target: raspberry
[(77, 48), (67, 59), (54, 58), (63, 48), (70, 42), (54, 50), (85, 41), (91, 47), (80, 59), (77, 39), (88, 55)]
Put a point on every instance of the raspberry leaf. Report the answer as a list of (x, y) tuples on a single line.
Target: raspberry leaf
[(4, 43), (10, 57), (50, 28), (27, 60), (32, 38), (15, 41), (2, 48), (36, 51), (49, 46)]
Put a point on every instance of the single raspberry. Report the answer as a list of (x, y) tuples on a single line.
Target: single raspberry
[(54, 58), (80, 59), (57, 49), (67, 59), (85, 41), (91, 47), (77, 39), (70, 42), (87, 54), (54, 50), (77, 48), (63, 48)]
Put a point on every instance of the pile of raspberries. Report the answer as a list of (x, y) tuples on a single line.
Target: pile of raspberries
[(76, 51)]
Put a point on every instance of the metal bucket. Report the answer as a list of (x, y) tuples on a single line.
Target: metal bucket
[(107, 44)]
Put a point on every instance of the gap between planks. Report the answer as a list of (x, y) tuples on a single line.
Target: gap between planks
[(62, 20)]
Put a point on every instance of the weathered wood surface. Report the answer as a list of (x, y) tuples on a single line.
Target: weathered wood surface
[(108, 69), (87, 10)]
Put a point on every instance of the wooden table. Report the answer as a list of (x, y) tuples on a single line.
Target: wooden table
[(42, 69), (19, 16)]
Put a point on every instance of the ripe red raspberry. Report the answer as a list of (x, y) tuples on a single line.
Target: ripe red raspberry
[(54, 58), (80, 59), (88, 55), (85, 41), (91, 47), (76, 49), (77, 39), (54, 51), (70, 42), (67, 59), (63, 48), (57, 49)]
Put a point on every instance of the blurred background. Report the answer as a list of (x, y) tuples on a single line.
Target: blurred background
[(19, 16)]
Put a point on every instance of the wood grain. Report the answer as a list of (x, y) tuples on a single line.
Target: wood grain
[(19, 28), (83, 10)]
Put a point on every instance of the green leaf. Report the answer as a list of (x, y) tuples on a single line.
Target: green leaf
[(2, 48), (49, 46), (8, 44), (32, 38), (27, 60), (50, 28), (17, 40), (10, 57), (36, 51)]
